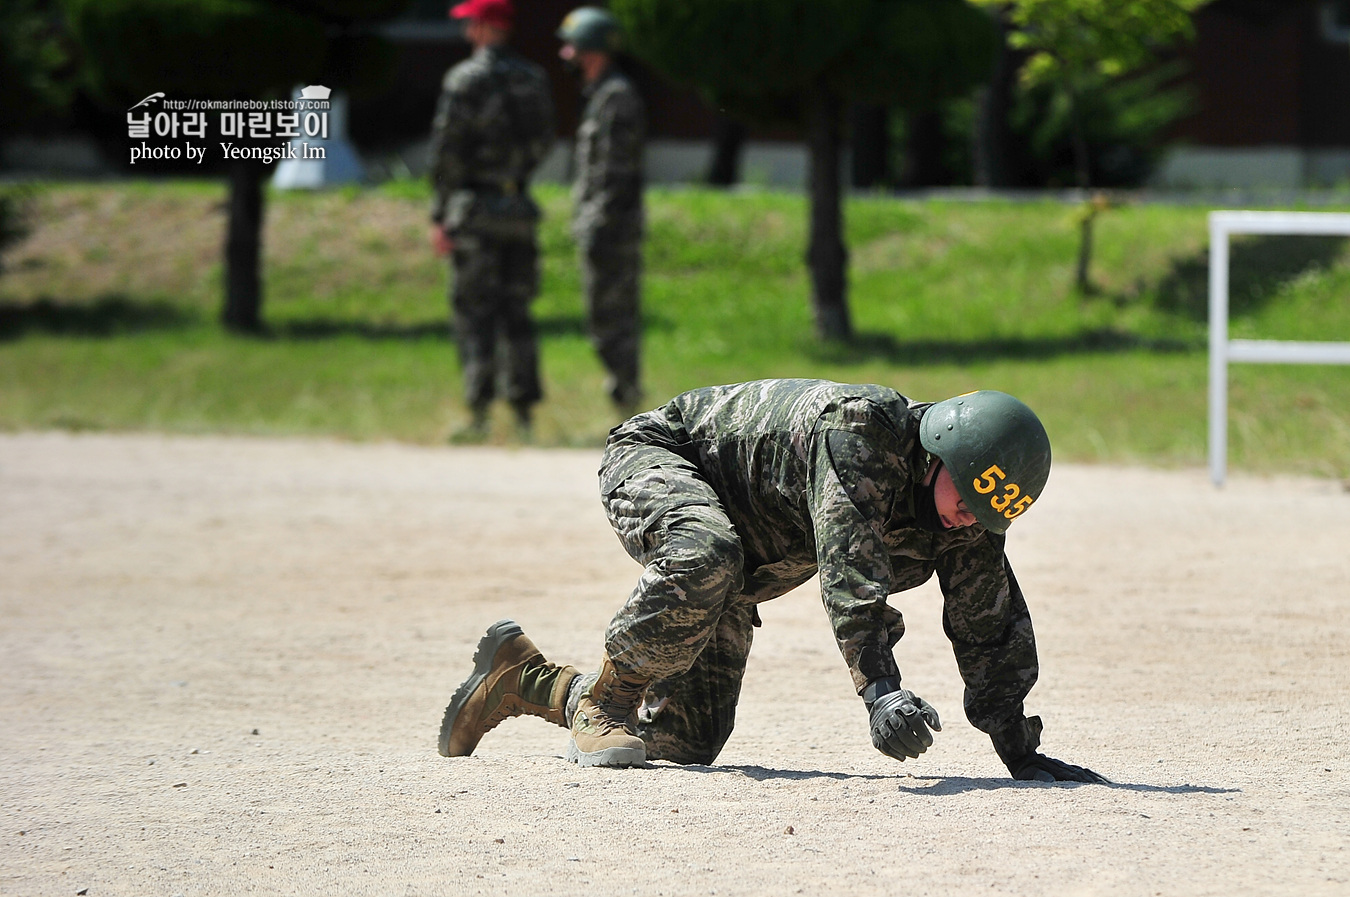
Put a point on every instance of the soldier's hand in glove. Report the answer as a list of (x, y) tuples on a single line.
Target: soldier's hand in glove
[(1016, 744), (1040, 768), (899, 719)]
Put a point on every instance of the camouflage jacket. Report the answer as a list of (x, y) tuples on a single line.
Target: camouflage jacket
[(820, 477), (607, 193), (493, 126)]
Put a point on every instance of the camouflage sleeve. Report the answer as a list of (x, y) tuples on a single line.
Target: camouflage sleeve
[(617, 175), (987, 621), (450, 135), (850, 501)]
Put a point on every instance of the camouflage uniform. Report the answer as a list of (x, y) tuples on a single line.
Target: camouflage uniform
[(734, 495), (607, 223), (493, 125)]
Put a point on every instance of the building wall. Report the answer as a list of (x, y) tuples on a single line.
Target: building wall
[(1272, 78), (1245, 65)]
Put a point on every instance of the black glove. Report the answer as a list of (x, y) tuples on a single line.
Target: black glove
[(1040, 768), (1016, 745), (897, 719)]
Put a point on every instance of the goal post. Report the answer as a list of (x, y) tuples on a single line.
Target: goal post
[(1222, 350)]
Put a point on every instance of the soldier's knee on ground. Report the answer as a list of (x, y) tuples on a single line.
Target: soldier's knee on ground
[(672, 750)]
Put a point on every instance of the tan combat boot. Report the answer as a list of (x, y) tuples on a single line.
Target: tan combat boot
[(601, 728), (510, 678)]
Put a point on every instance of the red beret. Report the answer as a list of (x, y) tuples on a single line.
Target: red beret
[(494, 12)]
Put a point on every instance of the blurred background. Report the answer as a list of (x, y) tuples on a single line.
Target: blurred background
[(1019, 190)]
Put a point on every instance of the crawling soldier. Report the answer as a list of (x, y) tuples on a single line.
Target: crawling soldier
[(733, 495)]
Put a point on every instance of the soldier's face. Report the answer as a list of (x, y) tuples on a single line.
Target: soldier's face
[(950, 508), (590, 64), (480, 33)]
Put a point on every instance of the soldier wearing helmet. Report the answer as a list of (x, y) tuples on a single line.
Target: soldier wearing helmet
[(734, 495), (493, 126), (607, 218)]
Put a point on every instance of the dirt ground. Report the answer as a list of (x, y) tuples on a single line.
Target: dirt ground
[(223, 663)]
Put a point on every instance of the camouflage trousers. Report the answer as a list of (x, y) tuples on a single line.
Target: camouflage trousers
[(686, 625), (610, 275), (492, 286)]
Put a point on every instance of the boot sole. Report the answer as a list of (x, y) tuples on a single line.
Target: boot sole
[(614, 757), (498, 634)]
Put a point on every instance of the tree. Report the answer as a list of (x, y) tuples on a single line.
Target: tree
[(1125, 123), (870, 125), (991, 136), (807, 61), (727, 142), (1073, 45), (33, 62), (238, 50)]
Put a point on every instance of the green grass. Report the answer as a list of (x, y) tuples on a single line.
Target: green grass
[(108, 311)]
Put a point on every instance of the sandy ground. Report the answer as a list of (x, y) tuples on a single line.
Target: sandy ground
[(224, 661)]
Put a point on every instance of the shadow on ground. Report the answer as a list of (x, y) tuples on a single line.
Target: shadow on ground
[(1259, 266), (107, 315), (766, 773), (941, 786), (306, 329), (885, 347), (324, 328), (117, 314)]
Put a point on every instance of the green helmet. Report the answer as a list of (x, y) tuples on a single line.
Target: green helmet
[(591, 28), (997, 452)]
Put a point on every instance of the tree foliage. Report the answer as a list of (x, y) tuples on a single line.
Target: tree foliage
[(226, 48), (1078, 47), (1076, 39), (758, 57), (1125, 124), (912, 54), (33, 60)]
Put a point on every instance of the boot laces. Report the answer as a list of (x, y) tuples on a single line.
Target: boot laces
[(621, 702)]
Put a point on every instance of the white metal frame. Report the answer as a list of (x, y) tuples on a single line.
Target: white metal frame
[(1222, 350)]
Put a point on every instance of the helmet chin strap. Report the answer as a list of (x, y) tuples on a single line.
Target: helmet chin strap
[(925, 501)]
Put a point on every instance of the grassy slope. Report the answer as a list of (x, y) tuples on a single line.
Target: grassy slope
[(107, 319)]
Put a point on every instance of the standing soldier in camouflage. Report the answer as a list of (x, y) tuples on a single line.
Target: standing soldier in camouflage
[(607, 197), (493, 126), (733, 495)]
